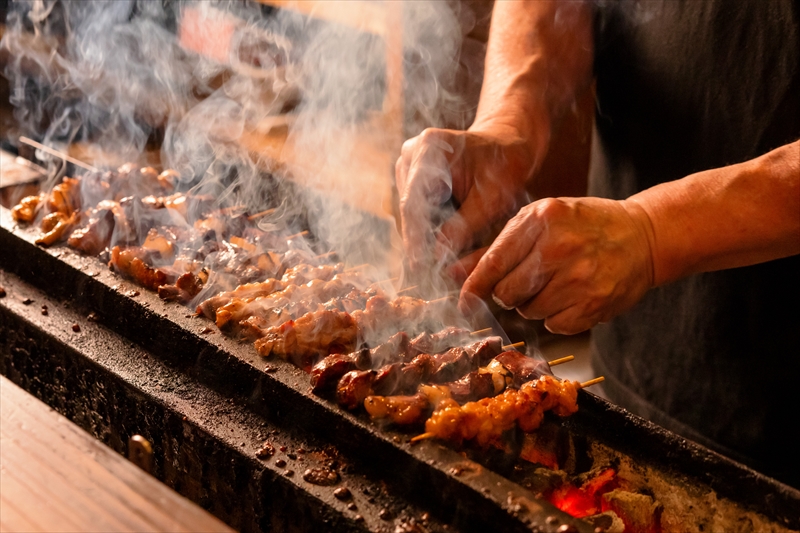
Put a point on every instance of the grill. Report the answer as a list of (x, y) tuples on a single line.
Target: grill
[(119, 361)]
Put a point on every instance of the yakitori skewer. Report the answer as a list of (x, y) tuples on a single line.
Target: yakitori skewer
[(411, 288), (56, 153), (256, 216), (481, 331), (514, 346), (561, 360), (485, 434)]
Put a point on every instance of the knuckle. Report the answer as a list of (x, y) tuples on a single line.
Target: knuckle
[(550, 208)]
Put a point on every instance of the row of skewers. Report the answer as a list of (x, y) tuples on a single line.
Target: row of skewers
[(362, 344)]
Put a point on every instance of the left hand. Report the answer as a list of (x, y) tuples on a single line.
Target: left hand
[(573, 262)]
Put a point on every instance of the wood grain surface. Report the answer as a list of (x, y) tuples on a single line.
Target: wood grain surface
[(55, 477)]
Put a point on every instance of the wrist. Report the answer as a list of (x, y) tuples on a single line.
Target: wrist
[(647, 240)]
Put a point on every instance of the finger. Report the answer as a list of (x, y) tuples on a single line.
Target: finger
[(524, 282), (461, 230), (570, 321), (513, 244), (427, 185), (462, 268)]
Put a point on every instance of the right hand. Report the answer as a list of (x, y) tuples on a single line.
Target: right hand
[(485, 172)]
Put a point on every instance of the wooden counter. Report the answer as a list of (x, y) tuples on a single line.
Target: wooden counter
[(56, 477)]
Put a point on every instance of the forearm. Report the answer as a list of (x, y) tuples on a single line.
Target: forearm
[(538, 59), (724, 218)]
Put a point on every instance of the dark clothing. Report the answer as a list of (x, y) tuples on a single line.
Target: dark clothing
[(685, 86)]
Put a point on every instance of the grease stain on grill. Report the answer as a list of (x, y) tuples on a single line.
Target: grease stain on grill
[(27, 301), (91, 317), (385, 514), (266, 451), (269, 369), (206, 330), (343, 493), (76, 328), (2, 292), (44, 310), (132, 293), (289, 473), (321, 476), (280, 463), (352, 506)]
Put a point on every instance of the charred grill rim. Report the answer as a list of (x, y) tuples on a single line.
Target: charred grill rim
[(233, 370)]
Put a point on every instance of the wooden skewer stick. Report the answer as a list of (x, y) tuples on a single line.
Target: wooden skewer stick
[(437, 300), (591, 382), (54, 152), (561, 360), (411, 288), (326, 254), (261, 214), (390, 280), (231, 209), (296, 235), (422, 437), (514, 346), (481, 331), (357, 267)]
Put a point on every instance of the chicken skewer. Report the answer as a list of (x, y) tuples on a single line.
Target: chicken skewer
[(504, 370), (486, 420)]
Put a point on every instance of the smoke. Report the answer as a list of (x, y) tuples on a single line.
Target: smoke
[(244, 100)]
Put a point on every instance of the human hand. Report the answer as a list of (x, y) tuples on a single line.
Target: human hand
[(484, 171), (573, 262)]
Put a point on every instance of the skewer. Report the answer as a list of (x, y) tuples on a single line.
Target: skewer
[(424, 436), (411, 288), (326, 254), (430, 435), (481, 331), (561, 360), (56, 153), (227, 210), (362, 265), (591, 382), (514, 346), (390, 280), (437, 300), (261, 214), (296, 235)]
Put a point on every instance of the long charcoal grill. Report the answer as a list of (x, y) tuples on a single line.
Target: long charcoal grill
[(207, 404)]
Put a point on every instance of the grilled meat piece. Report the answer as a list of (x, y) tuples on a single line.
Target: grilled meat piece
[(400, 410), (472, 387), (354, 387), (95, 236), (186, 287), (25, 211), (133, 264), (522, 368), (393, 350), (452, 364), (65, 198), (302, 341), (417, 371), (432, 343), (387, 380), (325, 375), (56, 226)]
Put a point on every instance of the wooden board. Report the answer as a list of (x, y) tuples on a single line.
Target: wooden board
[(55, 477), (359, 171)]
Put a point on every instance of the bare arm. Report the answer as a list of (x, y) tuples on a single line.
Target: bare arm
[(539, 57), (722, 218), (578, 261)]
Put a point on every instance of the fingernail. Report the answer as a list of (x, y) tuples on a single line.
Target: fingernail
[(500, 302)]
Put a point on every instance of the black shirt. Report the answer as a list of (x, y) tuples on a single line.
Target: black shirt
[(684, 86)]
